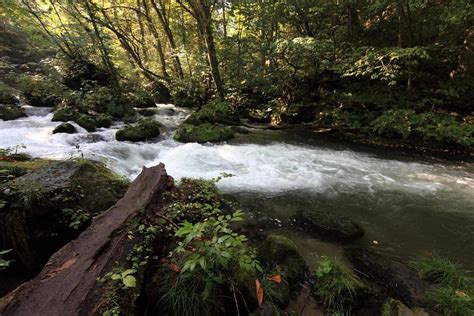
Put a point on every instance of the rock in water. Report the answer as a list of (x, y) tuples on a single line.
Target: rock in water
[(51, 205), (327, 226), (65, 128), (399, 280), (11, 112)]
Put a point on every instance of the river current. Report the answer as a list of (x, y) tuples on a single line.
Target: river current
[(409, 205)]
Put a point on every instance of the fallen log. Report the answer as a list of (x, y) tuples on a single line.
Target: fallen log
[(68, 284)]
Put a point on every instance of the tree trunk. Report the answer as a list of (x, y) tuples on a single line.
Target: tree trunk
[(169, 35), (68, 284)]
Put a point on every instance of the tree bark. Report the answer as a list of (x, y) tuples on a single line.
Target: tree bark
[(161, 13), (68, 284)]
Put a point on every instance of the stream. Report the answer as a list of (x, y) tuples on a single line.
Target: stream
[(408, 204)]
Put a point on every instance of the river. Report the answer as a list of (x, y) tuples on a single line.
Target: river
[(408, 204)]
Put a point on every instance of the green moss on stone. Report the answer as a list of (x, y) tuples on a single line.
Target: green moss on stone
[(143, 130), (216, 111), (202, 133)]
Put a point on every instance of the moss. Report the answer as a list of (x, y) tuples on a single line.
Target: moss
[(8, 113), (64, 128), (41, 92), (64, 114), (216, 111), (90, 123), (202, 133), (143, 130), (278, 250), (6, 95), (50, 205)]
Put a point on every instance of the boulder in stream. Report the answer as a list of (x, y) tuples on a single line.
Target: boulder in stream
[(11, 112), (143, 130), (398, 280), (278, 250), (327, 226), (49, 206), (203, 133), (216, 111), (65, 128)]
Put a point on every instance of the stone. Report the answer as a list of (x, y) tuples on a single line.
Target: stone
[(327, 226), (66, 128), (203, 133), (143, 130), (399, 280)]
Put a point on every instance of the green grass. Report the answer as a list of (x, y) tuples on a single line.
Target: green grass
[(451, 302), (441, 271), (336, 286), (455, 294)]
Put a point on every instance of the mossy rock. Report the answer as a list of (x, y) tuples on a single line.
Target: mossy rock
[(64, 114), (143, 130), (327, 226), (203, 133), (65, 128), (42, 93), (11, 112), (52, 204), (6, 95), (91, 123), (394, 307), (278, 250), (215, 111)]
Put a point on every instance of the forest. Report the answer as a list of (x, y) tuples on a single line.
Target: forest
[(318, 155)]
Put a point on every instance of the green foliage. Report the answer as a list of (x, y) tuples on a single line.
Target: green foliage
[(6, 95), (143, 130), (437, 128), (41, 91), (203, 133), (11, 112), (211, 257), (455, 294), (219, 251), (215, 111), (389, 65), (453, 302), (4, 263), (188, 93), (336, 286), (77, 218)]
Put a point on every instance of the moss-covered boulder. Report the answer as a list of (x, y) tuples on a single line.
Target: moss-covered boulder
[(41, 92), (216, 111), (92, 122), (66, 128), (6, 95), (49, 206), (278, 250), (143, 130), (203, 133), (11, 112), (327, 226), (64, 114)]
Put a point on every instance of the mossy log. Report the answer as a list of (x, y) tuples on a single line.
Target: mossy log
[(68, 283)]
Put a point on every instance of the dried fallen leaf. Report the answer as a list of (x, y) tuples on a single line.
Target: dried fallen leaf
[(174, 267), (275, 278), (461, 294), (259, 290)]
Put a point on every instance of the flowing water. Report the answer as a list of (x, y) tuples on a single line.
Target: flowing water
[(409, 205)]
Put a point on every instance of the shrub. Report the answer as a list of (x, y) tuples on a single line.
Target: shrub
[(216, 111)]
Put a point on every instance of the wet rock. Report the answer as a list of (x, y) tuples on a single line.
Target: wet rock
[(6, 95), (398, 280), (66, 128), (147, 112), (11, 112), (240, 130), (203, 133), (278, 250), (49, 206), (143, 130), (396, 308), (327, 226)]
